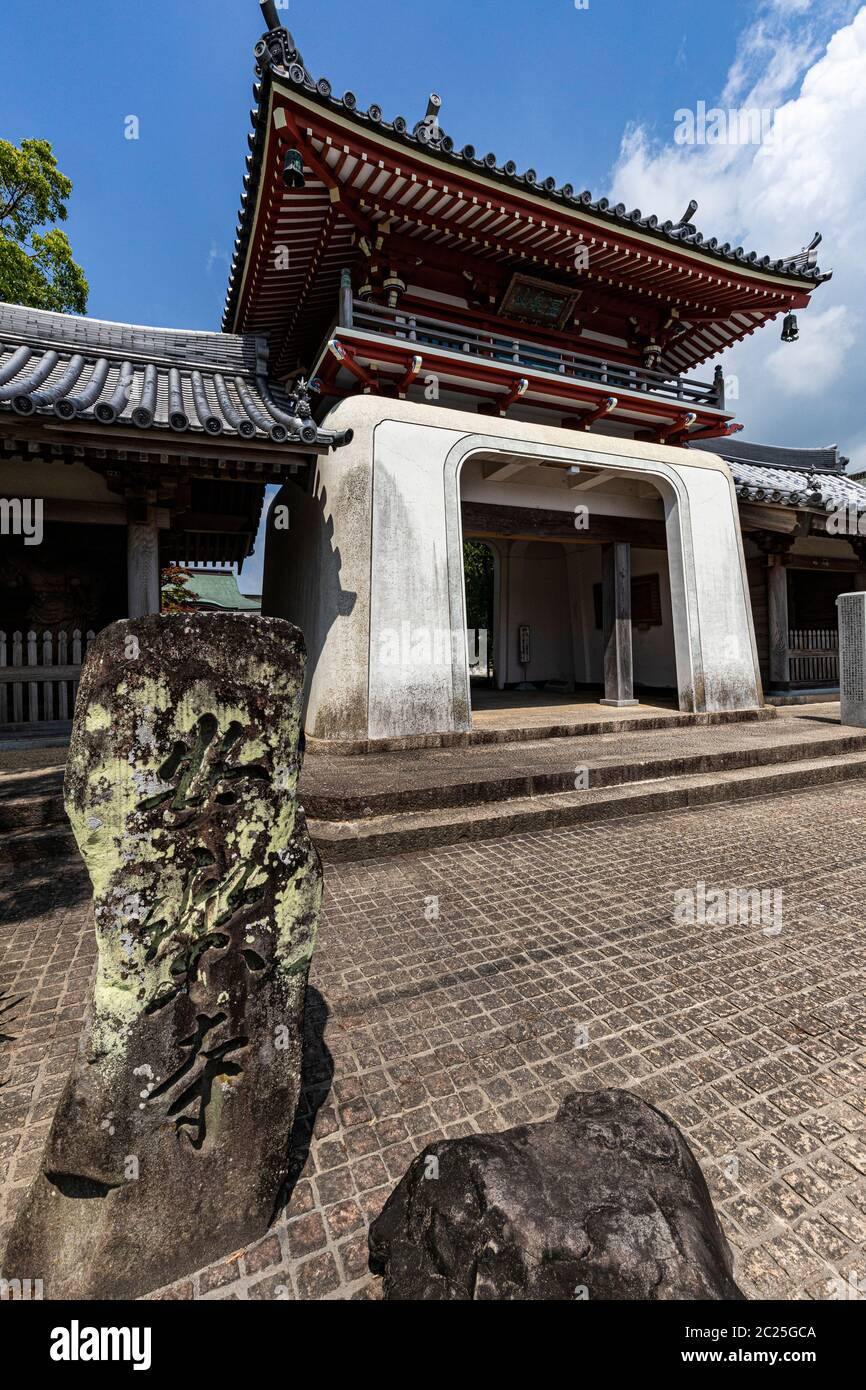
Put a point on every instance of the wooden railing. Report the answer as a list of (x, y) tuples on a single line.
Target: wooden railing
[(813, 656), (39, 675), (469, 340)]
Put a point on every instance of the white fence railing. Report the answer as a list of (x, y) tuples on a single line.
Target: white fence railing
[(39, 675), (813, 656)]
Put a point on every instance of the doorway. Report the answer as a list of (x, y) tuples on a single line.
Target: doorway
[(533, 579)]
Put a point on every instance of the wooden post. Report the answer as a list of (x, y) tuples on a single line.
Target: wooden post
[(17, 690), (502, 618), (777, 602), (616, 609), (142, 568), (62, 659), (347, 307), (32, 686)]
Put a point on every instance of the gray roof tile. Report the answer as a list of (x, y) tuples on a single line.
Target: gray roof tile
[(782, 477), (159, 378)]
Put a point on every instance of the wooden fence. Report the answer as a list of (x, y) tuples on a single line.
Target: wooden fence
[(813, 657), (39, 675)]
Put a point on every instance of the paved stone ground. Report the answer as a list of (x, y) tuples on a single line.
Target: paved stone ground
[(474, 1021)]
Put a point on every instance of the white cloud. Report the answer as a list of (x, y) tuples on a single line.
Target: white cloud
[(214, 256), (821, 355), (771, 198)]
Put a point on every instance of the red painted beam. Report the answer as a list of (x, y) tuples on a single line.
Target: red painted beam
[(476, 369), (606, 408), (346, 357), (676, 428), (717, 431), (410, 375)]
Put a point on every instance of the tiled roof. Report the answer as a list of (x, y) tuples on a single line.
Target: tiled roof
[(277, 55), (219, 589), (811, 478), (148, 378), (826, 460)]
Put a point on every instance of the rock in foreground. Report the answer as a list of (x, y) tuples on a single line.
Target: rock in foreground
[(605, 1202), (169, 1147)]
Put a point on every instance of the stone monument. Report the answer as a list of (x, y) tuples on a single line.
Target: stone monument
[(852, 657), (606, 1201), (170, 1143)]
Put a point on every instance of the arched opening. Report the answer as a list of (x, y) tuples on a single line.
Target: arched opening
[(556, 539)]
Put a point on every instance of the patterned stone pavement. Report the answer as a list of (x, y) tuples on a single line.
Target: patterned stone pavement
[(469, 988)]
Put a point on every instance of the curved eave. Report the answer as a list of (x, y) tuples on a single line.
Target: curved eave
[(88, 374), (822, 493), (579, 210)]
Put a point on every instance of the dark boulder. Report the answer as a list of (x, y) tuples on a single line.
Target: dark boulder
[(605, 1202)]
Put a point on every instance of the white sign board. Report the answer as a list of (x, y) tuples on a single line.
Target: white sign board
[(852, 657)]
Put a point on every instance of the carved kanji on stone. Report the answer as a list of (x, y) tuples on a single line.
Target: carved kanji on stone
[(170, 1143)]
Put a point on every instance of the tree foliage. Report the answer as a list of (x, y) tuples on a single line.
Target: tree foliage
[(173, 587), (478, 567), (36, 265)]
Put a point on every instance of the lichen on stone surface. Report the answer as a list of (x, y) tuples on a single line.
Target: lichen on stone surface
[(181, 790), (169, 749)]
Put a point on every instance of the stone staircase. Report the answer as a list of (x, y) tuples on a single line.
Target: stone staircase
[(367, 806), (361, 808), (33, 824)]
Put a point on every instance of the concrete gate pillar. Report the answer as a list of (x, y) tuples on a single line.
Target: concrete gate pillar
[(378, 583)]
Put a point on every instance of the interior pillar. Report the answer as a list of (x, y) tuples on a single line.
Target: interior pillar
[(616, 610), (502, 618), (777, 605), (142, 567)]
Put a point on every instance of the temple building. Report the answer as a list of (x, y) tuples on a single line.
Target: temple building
[(216, 591), (432, 352), (124, 449)]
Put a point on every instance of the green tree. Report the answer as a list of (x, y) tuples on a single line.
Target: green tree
[(478, 567), (36, 265)]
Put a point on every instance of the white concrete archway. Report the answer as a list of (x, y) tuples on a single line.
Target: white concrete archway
[(391, 660)]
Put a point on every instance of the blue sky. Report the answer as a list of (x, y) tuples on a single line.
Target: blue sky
[(153, 220), (588, 96)]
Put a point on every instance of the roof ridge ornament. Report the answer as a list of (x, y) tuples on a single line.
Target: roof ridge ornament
[(686, 219), (807, 257), (277, 47), (428, 130)]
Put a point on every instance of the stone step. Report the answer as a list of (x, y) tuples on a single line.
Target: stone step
[(527, 726), (36, 843), (350, 787), (410, 831), (31, 799), (348, 790)]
